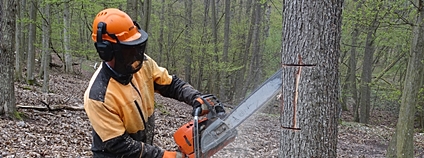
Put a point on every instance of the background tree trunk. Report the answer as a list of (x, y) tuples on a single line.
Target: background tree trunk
[(188, 48), (214, 79), (20, 47), (31, 42), (67, 37), (18, 50), (132, 9), (351, 84), (203, 41), (147, 9), (310, 93), (415, 72), (243, 53), (224, 73), (7, 35), (161, 39), (251, 9), (365, 101), (46, 48)]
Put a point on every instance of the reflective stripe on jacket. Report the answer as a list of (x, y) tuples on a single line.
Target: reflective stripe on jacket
[(121, 110)]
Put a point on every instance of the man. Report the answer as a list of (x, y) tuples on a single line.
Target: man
[(119, 100)]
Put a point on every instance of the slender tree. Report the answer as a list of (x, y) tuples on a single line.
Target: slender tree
[(403, 138), (46, 47), (132, 9), (214, 78), (223, 86), (147, 9), (188, 40), (19, 52), (7, 59), (365, 87), (310, 93), (31, 44), (350, 85), (66, 37)]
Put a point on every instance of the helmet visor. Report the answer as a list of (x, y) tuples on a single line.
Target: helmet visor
[(131, 58)]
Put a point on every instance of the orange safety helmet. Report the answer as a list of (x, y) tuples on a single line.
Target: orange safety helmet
[(117, 36), (120, 25)]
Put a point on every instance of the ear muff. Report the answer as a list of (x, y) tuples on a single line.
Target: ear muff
[(104, 48)]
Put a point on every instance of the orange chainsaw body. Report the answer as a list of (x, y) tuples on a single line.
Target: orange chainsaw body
[(184, 139)]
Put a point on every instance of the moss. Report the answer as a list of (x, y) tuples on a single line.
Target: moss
[(161, 108), (18, 115)]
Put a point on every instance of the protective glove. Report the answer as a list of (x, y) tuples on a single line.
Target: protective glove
[(198, 102), (173, 154)]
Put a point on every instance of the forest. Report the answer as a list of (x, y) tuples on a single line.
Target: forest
[(361, 60)]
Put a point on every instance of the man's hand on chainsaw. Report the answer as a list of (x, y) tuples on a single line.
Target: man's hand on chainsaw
[(173, 154), (200, 103)]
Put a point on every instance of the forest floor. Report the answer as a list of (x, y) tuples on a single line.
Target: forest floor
[(66, 133)]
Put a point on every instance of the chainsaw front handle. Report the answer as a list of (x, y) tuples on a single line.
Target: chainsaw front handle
[(196, 135)]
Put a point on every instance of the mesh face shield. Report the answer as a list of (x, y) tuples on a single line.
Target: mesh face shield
[(130, 59)]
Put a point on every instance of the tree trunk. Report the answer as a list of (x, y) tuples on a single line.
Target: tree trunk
[(365, 101), (31, 42), (147, 7), (214, 78), (188, 33), (224, 73), (46, 48), (66, 37), (351, 87), (255, 66), (161, 39), (170, 37), (240, 78), (415, 71), (247, 48), (18, 50), (351, 82), (132, 9), (20, 58), (203, 41), (7, 59), (310, 88)]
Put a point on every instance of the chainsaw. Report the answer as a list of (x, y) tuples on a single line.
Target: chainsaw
[(203, 137)]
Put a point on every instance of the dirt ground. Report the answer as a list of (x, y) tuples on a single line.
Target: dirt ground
[(66, 133)]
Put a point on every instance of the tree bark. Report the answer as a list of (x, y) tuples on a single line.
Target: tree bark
[(188, 41), (247, 49), (31, 42), (147, 9), (365, 89), (18, 50), (46, 48), (214, 78), (244, 48), (351, 87), (161, 39), (310, 89), (66, 37), (7, 35), (132, 9), (415, 71), (20, 47), (224, 73), (203, 41)]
